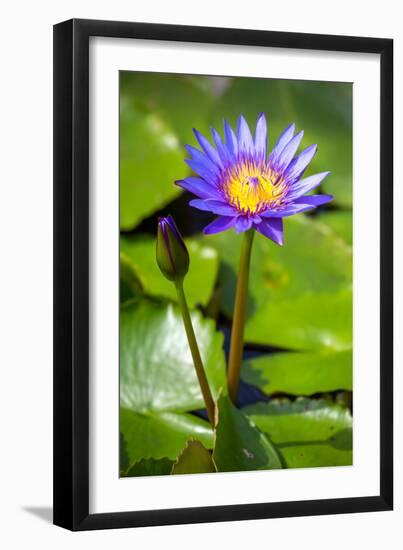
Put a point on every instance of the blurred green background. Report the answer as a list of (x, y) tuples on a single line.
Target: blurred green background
[(297, 372)]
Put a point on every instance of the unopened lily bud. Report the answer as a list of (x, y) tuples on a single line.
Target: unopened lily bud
[(172, 254)]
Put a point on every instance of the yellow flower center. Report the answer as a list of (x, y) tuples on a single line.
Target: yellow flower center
[(252, 188)]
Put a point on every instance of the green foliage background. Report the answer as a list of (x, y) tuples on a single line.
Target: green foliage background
[(295, 405)]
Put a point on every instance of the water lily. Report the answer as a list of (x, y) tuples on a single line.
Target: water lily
[(248, 188)]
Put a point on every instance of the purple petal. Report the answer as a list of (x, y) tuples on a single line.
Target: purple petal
[(289, 150), (207, 147), (221, 148), (243, 223), (314, 200), (199, 187), (273, 229), (200, 157), (306, 185), (203, 170), (163, 225), (261, 137), (299, 164), (245, 141), (168, 220), (289, 210), (299, 205), (215, 206), (219, 224), (282, 141), (230, 140)]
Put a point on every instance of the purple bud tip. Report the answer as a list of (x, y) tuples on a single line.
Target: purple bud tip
[(172, 255)]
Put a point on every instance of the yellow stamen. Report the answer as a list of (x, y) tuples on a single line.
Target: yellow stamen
[(251, 188)]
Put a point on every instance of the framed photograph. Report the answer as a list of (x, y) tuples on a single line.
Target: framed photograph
[(223, 329)]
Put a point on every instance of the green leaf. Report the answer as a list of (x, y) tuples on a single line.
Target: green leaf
[(182, 100), (194, 459), (317, 321), (199, 282), (158, 382), (150, 467), (130, 285), (322, 109), (157, 113), (239, 445), (313, 260), (341, 221), (123, 456), (300, 373), (299, 294), (151, 158), (307, 433), (156, 367), (160, 435)]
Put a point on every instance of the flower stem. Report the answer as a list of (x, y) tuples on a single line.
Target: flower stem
[(201, 375), (238, 323)]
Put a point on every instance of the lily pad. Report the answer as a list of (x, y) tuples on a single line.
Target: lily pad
[(150, 467), (239, 445), (300, 373), (194, 459), (312, 260), (156, 368), (157, 112), (160, 435), (151, 158), (310, 322), (341, 221), (183, 100), (299, 294), (307, 433), (199, 282), (130, 285)]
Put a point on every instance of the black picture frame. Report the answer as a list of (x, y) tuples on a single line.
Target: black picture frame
[(71, 274)]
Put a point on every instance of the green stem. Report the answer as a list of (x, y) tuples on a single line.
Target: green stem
[(201, 375), (238, 323)]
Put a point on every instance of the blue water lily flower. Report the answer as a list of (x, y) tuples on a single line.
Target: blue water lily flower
[(245, 187)]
